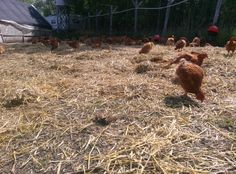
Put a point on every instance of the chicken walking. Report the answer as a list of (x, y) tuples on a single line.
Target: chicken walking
[(190, 77)]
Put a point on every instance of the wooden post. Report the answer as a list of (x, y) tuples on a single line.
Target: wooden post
[(158, 18), (217, 11), (135, 16), (136, 6), (135, 3), (89, 26), (111, 20), (167, 15), (96, 22), (2, 37)]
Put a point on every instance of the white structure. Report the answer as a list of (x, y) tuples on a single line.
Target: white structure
[(73, 21), (20, 21), (52, 20), (62, 11), (60, 2)]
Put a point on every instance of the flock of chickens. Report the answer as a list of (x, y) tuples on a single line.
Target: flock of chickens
[(189, 71)]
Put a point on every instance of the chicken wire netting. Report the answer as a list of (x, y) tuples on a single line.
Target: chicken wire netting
[(150, 20)]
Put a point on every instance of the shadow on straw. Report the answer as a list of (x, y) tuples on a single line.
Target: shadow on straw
[(179, 101)]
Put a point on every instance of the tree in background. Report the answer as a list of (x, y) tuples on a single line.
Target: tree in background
[(28, 1), (46, 7), (186, 19)]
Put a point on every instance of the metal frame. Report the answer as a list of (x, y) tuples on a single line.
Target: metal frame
[(62, 18), (2, 37)]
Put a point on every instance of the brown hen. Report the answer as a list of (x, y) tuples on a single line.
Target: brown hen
[(180, 44), (146, 48), (194, 57), (2, 48), (129, 41), (233, 38), (54, 43), (186, 40), (44, 41), (231, 45), (96, 42), (190, 77), (96, 45), (35, 40), (73, 44), (196, 42), (170, 41)]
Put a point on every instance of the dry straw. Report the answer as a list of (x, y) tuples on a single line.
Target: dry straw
[(53, 106)]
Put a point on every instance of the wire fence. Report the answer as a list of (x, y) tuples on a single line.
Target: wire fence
[(147, 20), (141, 8)]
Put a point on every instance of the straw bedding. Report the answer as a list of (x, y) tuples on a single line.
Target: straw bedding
[(113, 111)]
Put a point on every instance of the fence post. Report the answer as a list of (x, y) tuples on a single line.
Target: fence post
[(167, 15), (158, 18), (217, 11), (2, 37), (89, 22), (136, 6), (96, 20), (111, 18)]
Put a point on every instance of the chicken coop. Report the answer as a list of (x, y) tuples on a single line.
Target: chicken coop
[(20, 22)]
